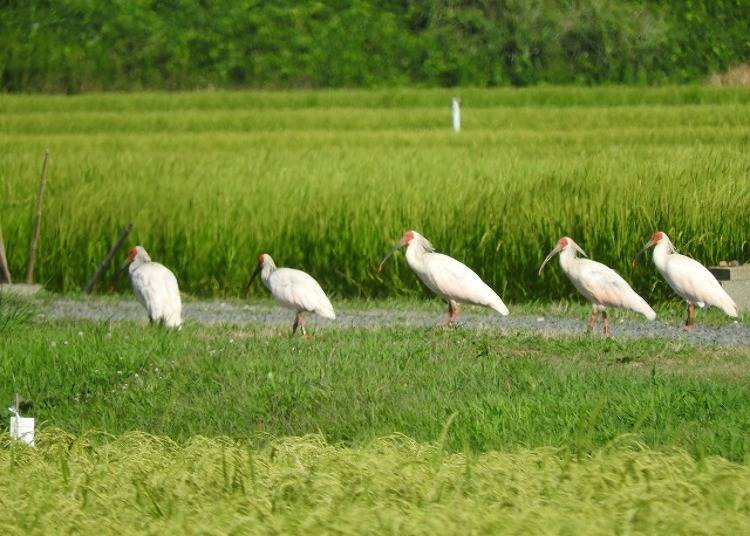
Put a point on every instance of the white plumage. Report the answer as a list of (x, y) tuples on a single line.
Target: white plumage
[(598, 283), (688, 278), (155, 287), (450, 279), (295, 290)]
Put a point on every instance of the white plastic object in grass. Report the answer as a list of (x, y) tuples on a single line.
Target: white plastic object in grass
[(456, 107), (21, 428)]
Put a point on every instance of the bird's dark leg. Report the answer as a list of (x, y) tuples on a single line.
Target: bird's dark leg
[(690, 322), (299, 322), (605, 322), (452, 312), (592, 319)]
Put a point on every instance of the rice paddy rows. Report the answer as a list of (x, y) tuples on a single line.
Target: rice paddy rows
[(326, 181)]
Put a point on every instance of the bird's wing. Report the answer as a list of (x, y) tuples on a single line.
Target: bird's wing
[(458, 282), (693, 281), (156, 288), (604, 286), (297, 289)]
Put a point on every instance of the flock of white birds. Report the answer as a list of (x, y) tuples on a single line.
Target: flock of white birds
[(155, 286)]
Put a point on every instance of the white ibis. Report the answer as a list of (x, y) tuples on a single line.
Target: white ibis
[(688, 278), (451, 280), (598, 283), (155, 287), (293, 289)]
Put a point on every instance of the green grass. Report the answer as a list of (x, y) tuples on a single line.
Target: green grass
[(507, 393), (328, 180), (143, 484)]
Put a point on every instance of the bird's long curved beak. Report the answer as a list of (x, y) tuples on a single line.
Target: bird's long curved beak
[(122, 268), (644, 248), (393, 250), (551, 254), (252, 278)]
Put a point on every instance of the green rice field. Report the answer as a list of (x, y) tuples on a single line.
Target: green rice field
[(328, 180), (138, 484)]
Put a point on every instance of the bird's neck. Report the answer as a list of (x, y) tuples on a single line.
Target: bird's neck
[(137, 263), (662, 251), (415, 255), (568, 259), (265, 274)]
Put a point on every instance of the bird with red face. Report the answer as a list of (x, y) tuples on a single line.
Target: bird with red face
[(155, 287), (598, 283), (450, 279), (293, 289), (688, 278)]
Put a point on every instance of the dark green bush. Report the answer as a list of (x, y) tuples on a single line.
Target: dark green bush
[(79, 45)]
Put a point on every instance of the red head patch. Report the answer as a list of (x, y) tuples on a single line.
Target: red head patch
[(133, 253), (408, 236), (658, 235), (563, 243), (260, 258)]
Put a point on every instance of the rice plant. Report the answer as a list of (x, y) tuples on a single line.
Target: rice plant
[(326, 181)]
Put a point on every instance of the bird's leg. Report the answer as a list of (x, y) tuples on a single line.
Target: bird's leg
[(605, 324), (690, 322), (592, 319), (452, 312), (299, 322)]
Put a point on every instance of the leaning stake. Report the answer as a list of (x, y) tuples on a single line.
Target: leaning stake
[(4, 270), (37, 221), (108, 258)]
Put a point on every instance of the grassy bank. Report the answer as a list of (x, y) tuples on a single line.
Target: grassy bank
[(504, 393)]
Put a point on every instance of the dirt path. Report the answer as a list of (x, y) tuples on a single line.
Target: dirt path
[(217, 312)]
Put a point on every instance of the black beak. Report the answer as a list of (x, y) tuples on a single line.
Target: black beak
[(252, 278), (120, 270)]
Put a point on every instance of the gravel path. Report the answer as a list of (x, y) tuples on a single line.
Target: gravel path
[(216, 312)]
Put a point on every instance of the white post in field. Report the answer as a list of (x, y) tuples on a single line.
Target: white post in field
[(21, 428), (456, 106)]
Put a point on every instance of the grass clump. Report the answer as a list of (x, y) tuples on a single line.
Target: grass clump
[(15, 311), (139, 483)]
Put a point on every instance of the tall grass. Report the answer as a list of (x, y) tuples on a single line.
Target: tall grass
[(326, 181), (139, 483)]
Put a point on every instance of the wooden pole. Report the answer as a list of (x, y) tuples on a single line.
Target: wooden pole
[(37, 221), (108, 258), (4, 270)]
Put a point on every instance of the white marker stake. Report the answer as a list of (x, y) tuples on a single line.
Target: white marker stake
[(22, 428), (456, 114)]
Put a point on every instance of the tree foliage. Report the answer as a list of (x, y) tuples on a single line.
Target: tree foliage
[(79, 45)]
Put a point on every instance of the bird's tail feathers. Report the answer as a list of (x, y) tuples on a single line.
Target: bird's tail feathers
[(645, 309), (729, 307), (499, 306), (326, 312), (172, 320)]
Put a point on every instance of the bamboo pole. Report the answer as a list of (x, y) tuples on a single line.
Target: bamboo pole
[(4, 270), (108, 258), (37, 221)]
